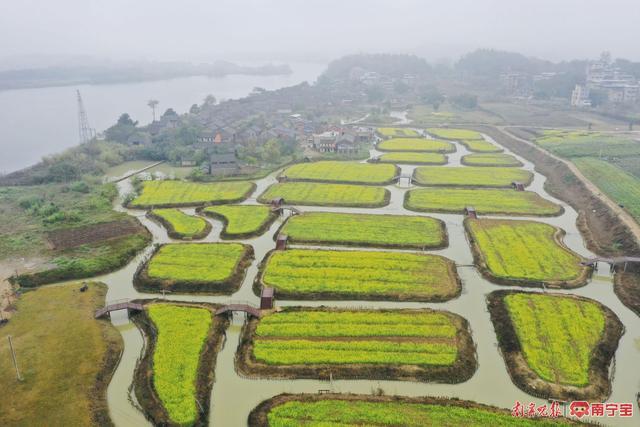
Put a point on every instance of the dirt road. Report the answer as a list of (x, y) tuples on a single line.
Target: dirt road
[(624, 216)]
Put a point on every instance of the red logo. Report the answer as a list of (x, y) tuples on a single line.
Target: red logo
[(579, 408)]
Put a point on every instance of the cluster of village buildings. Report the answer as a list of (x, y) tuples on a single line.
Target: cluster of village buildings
[(619, 87)]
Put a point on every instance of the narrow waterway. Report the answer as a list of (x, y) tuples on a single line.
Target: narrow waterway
[(234, 396)]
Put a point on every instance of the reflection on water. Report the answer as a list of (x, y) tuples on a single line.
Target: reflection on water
[(234, 396)]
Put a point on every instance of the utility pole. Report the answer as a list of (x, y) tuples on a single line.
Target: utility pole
[(85, 131), (15, 361)]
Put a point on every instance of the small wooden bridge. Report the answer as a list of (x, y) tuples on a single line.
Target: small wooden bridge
[(405, 176), (249, 309), (123, 304), (280, 210), (613, 261)]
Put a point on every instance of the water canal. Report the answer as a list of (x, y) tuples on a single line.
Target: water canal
[(234, 396)]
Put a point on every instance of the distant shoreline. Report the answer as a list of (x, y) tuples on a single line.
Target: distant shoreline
[(37, 78)]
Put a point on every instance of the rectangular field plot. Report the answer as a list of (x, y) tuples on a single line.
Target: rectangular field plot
[(348, 410), (309, 193), (485, 201), (195, 267), (348, 172), (398, 133), (180, 225), (524, 252), (242, 220), (490, 159), (468, 176), (183, 193), (366, 230), (457, 134), (481, 146), (413, 158), (368, 275), (352, 339), (621, 187), (557, 345), (416, 144)]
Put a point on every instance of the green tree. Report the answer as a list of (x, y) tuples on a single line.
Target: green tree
[(271, 153)]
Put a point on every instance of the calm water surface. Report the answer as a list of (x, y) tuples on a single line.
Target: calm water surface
[(42, 121)]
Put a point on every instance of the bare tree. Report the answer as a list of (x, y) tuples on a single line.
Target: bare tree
[(153, 103)]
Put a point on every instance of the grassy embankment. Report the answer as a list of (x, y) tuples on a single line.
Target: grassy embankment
[(370, 275), (65, 356), (329, 228), (609, 161), (308, 193)]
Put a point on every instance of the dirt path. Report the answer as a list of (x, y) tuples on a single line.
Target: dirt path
[(624, 216), (9, 267)]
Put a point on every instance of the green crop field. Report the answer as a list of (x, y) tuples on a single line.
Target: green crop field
[(485, 201), (311, 336), (398, 132), (309, 193), (182, 333), (183, 193), (459, 134), (335, 171), (490, 159), (366, 230), (363, 274), (557, 334), (571, 144), (481, 146), (469, 176), (416, 144), (183, 225), (523, 250), (621, 187), (242, 220), (332, 412), (196, 262), (413, 158)]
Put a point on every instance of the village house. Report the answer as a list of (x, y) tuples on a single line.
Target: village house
[(221, 164)]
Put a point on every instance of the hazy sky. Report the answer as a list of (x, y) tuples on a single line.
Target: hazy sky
[(202, 30)]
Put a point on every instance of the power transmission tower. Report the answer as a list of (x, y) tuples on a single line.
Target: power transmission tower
[(86, 132)]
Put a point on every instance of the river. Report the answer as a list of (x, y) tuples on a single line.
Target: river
[(233, 396), (42, 121)]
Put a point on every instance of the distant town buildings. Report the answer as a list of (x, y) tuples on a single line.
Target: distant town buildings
[(602, 75)]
